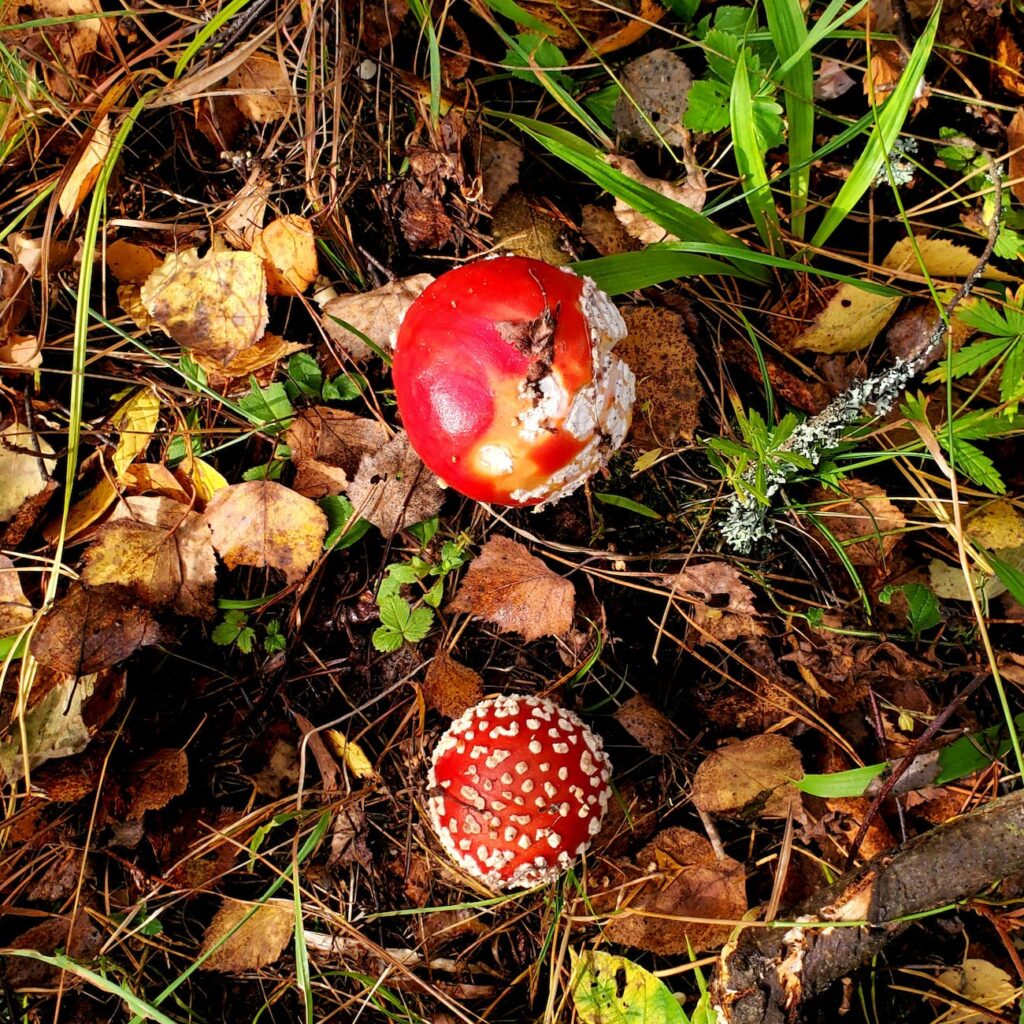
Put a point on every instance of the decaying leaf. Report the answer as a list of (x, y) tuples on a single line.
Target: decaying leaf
[(524, 228), (262, 356), (242, 219), (77, 937), (91, 629), (499, 166), (258, 941), (940, 257), (265, 524), (351, 754), (376, 313), (754, 775), (655, 92), (998, 528), (393, 489), (150, 784), (164, 555), (129, 262), (450, 687), (647, 725), (691, 192), (516, 591), (86, 170), (26, 463), (15, 609), (979, 982), (263, 91), (687, 879), (1015, 144), (608, 989), (866, 523), (135, 422), (840, 318), (705, 584), (215, 304), (327, 446), (659, 351), (287, 247)]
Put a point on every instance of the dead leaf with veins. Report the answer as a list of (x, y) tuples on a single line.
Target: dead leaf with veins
[(327, 446), (263, 91), (377, 314), (691, 193), (450, 687), (15, 610), (26, 464), (287, 247), (865, 522), (978, 982), (650, 727), (499, 167), (393, 489), (507, 586), (92, 629), (129, 262), (999, 528), (214, 304), (235, 943), (266, 525), (752, 776), (522, 227), (260, 361), (704, 585)]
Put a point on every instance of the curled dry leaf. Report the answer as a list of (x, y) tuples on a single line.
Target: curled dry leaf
[(264, 524), (26, 463), (154, 478), (164, 554), (755, 775), (215, 304), (287, 247), (20, 353), (91, 629), (263, 91), (242, 219), (687, 880), (15, 610), (705, 584), (327, 446), (393, 489), (376, 313), (450, 687), (235, 947), (263, 356), (86, 170), (690, 193), (659, 352), (865, 522), (516, 591), (647, 725)]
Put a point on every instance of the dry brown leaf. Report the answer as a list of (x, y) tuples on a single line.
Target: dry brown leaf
[(753, 776), (70, 41), (91, 629), (20, 353), (423, 219), (264, 524), (86, 170), (152, 783), (516, 591), (377, 314), (689, 881), (450, 687), (287, 247), (1009, 62), (131, 263), (521, 227), (86, 511), (1015, 144), (75, 936), (154, 478), (655, 92), (165, 556), (866, 522), (220, 121), (15, 297), (713, 580), (604, 231), (264, 91), (215, 304), (499, 167), (26, 463), (15, 610), (690, 193), (393, 489), (649, 14), (659, 352), (262, 356), (327, 446), (242, 219), (647, 725), (980, 982), (258, 941)]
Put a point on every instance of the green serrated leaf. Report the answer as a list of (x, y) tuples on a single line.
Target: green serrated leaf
[(610, 989), (419, 625), (269, 407), (386, 639), (305, 374), (434, 595), (975, 464), (707, 107), (394, 612)]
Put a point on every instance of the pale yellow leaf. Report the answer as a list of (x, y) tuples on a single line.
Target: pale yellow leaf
[(235, 943), (352, 754), (757, 772), (287, 247), (205, 479), (86, 171), (940, 257), (135, 421), (263, 89), (23, 472), (981, 982)]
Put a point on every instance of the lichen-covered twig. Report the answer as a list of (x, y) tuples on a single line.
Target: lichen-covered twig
[(746, 521)]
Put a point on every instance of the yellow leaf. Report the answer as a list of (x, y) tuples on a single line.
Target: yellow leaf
[(85, 511), (86, 171), (287, 247), (352, 754), (135, 421), (241, 938), (206, 480), (940, 257)]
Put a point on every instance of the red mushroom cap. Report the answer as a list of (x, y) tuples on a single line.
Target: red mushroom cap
[(519, 787), (506, 381)]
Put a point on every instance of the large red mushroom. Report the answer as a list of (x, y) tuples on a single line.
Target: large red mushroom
[(506, 380), (518, 789)]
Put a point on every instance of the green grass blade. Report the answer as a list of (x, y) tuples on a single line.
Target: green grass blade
[(511, 10), (421, 11), (631, 271), (210, 29), (789, 30), (888, 122), (824, 26), (750, 158)]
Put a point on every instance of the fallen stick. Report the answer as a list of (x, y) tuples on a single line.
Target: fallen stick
[(766, 976)]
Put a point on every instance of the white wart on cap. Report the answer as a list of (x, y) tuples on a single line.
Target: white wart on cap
[(518, 788)]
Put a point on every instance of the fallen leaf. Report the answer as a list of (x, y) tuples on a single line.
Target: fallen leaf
[(520, 226), (866, 523), (352, 754), (1009, 60), (755, 775), (129, 297), (499, 167), (393, 489), (135, 422), (712, 581), (940, 258), (233, 944), (636, 27), (264, 524), (15, 610), (450, 687), (20, 353), (86, 511), (516, 591), (604, 231), (86, 170), (215, 304), (278, 764), (265, 353), (997, 526), (76, 937), (376, 313), (979, 982), (164, 556), (608, 989), (840, 318), (287, 247), (131, 263), (154, 478), (263, 89), (150, 784), (26, 464), (15, 297), (831, 81), (691, 193), (654, 97), (1015, 143), (647, 725), (242, 219), (206, 480), (423, 220), (689, 880), (668, 393), (91, 629), (327, 446)]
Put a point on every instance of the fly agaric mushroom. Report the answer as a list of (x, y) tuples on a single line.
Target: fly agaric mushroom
[(519, 787), (506, 381)]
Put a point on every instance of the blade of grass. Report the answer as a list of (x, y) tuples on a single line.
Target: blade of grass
[(511, 10), (789, 32), (421, 11), (888, 122), (750, 158), (631, 271), (823, 27), (210, 29)]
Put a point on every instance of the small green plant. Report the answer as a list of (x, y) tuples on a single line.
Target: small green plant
[(234, 631), (923, 609), (306, 379), (400, 623)]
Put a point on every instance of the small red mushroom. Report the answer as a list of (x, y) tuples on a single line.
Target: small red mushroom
[(519, 787), (506, 381)]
